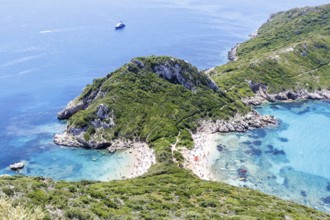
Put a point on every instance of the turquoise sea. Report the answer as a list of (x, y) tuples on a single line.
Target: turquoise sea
[(290, 160), (49, 50)]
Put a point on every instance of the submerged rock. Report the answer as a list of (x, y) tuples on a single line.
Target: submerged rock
[(221, 147), (328, 187), (253, 151), (326, 200), (283, 139), (274, 151), (257, 143)]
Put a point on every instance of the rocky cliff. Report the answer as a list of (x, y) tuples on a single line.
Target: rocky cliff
[(262, 95)]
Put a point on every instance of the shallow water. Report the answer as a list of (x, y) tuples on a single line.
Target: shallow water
[(49, 50), (290, 160)]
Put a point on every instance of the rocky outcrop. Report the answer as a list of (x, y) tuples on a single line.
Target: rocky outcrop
[(77, 140), (79, 104), (104, 117), (262, 95), (177, 72), (67, 139), (232, 54), (239, 123), (71, 109), (89, 137)]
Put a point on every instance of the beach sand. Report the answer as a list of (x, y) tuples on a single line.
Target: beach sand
[(141, 158), (200, 159), (135, 161)]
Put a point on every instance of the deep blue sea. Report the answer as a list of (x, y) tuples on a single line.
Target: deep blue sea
[(49, 50)]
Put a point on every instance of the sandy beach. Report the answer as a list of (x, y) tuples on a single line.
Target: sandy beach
[(200, 159), (141, 158)]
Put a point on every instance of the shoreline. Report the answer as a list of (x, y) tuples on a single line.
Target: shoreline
[(204, 154), (261, 95), (140, 158), (201, 158), (232, 53)]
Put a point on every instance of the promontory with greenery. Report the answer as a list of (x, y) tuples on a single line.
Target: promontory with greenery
[(162, 101)]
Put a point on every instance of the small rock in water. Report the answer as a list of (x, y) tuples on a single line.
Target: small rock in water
[(254, 151), (303, 193), (111, 150)]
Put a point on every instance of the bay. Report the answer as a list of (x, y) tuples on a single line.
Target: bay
[(49, 50)]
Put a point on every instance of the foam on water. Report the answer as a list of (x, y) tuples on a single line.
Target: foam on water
[(290, 160)]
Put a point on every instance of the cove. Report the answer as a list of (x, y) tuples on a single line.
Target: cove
[(290, 160)]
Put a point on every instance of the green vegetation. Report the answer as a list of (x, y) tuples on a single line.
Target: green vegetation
[(291, 52), (168, 192), (153, 109), (10, 210)]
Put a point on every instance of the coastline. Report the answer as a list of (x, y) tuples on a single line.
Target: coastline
[(140, 158), (204, 154), (232, 53), (201, 158), (261, 95)]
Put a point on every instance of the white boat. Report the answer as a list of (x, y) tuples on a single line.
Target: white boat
[(120, 25), (17, 166)]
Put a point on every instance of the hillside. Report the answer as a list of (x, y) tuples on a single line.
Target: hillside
[(151, 99), (290, 53), (168, 193), (161, 101)]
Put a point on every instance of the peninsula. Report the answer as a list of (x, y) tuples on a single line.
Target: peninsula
[(170, 106)]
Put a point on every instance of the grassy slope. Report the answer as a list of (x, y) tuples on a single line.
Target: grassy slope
[(168, 193), (269, 59)]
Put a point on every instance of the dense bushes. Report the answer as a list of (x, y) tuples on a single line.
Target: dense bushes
[(280, 58), (166, 192)]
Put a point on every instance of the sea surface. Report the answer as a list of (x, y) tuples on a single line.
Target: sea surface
[(291, 160), (49, 50)]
